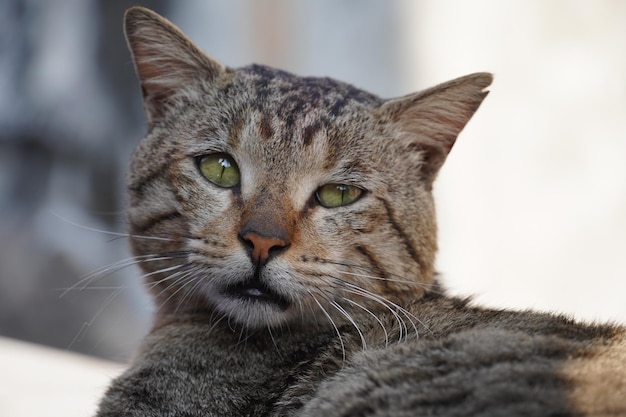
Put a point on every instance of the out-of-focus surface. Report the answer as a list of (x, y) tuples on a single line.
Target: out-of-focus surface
[(532, 200), (40, 381)]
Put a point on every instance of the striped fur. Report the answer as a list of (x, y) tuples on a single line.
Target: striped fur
[(356, 324), (289, 135)]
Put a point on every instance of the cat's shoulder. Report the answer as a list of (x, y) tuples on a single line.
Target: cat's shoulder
[(484, 360)]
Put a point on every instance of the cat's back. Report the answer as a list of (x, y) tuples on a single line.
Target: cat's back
[(484, 362)]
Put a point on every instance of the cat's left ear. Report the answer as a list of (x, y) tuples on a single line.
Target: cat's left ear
[(167, 62), (429, 122)]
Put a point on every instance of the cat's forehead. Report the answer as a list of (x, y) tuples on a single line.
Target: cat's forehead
[(290, 96), (269, 112)]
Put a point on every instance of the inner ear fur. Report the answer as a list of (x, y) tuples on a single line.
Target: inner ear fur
[(430, 121), (166, 61)]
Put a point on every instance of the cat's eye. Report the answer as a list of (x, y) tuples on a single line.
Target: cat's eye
[(336, 195), (220, 169)]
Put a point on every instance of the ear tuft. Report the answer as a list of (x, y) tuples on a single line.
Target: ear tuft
[(166, 61), (431, 120)]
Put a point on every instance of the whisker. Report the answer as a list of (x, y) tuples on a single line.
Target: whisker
[(160, 271), (332, 322), (243, 340), (215, 323), (195, 278), (153, 284), (402, 327), (163, 270), (399, 279), (184, 276), (94, 288), (98, 274), (269, 329), (351, 320), (108, 270), (107, 232), (176, 277), (373, 315), (404, 311), (88, 324)]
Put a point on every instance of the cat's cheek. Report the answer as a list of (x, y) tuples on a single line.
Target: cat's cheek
[(340, 230), (309, 243)]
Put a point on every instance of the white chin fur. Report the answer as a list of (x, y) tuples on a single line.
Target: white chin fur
[(250, 313)]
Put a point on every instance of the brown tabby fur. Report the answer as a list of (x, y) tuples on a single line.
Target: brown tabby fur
[(352, 321)]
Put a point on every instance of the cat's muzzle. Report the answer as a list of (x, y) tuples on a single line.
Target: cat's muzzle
[(254, 290)]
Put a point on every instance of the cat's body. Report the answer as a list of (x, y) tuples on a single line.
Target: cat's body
[(286, 229), (471, 362)]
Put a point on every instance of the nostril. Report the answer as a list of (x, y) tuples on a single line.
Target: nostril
[(263, 247), (246, 241)]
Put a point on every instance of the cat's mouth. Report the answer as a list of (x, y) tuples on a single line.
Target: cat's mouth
[(255, 290)]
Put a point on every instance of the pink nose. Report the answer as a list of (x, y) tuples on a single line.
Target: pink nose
[(262, 246)]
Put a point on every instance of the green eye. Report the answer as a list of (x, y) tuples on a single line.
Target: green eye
[(336, 195), (220, 169)]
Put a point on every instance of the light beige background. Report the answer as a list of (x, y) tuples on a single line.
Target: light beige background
[(532, 201)]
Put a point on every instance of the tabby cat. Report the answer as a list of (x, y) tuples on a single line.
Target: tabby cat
[(286, 230)]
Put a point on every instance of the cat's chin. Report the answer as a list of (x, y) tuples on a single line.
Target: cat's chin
[(252, 312), (254, 291), (251, 304)]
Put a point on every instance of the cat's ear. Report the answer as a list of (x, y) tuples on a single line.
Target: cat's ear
[(430, 121), (166, 61)]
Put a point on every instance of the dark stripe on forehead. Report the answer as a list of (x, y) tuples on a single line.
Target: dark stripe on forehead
[(208, 132), (293, 95), (234, 133), (266, 131), (405, 238), (309, 132)]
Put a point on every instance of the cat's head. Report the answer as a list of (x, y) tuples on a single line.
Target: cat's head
[(269, 198)]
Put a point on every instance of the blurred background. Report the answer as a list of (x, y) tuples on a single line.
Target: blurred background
[(532, 200)]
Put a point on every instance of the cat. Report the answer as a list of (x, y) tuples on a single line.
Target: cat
[(285, 227)]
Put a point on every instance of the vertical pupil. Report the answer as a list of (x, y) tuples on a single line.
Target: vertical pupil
[(342, 189), (225, 164)]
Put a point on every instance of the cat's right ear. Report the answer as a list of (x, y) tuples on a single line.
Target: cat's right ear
[(166, 61)]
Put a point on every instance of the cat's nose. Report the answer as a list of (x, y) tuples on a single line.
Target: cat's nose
[(263, 247)]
